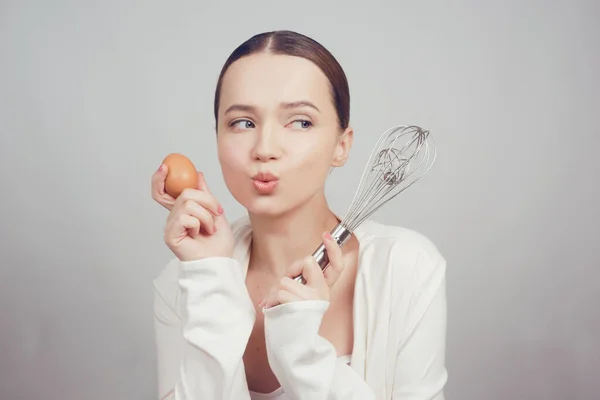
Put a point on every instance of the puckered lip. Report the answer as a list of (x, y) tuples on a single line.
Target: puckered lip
[(265, 177)]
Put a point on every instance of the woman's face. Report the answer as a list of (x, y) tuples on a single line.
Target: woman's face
[(278, 133)]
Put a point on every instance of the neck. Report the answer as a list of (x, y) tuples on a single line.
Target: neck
[(278, 241)]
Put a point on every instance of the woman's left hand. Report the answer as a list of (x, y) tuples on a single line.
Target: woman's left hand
[(318, 283)]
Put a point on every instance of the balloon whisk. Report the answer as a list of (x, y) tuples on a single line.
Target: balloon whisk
[(401, 156)]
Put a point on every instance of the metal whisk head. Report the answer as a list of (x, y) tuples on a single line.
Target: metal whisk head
[(401, 156)]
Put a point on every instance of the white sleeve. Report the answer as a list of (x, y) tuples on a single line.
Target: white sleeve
[(420, 362), (203, 358), (305, 363)]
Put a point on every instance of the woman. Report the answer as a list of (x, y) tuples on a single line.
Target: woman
[(230, 321)]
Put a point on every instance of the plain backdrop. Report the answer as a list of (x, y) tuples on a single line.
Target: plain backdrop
[(94, 94)]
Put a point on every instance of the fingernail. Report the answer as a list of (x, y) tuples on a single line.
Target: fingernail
[(220, 210), (328, 236), (160, 168), (214, 228)]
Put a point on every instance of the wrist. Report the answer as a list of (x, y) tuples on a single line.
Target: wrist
[(204, 256)]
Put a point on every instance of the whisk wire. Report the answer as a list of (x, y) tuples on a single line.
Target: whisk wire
[(390, 170)]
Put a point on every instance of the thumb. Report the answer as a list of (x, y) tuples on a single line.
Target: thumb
[(158, 179), (295, 269), (312, 273)]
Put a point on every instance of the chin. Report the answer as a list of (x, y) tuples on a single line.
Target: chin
[(265, 205), (274, 204)]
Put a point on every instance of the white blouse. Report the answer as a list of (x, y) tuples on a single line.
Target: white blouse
[(204, 317)]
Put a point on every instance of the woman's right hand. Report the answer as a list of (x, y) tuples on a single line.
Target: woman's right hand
[(196, 227)]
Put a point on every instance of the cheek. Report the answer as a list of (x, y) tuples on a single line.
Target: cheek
[(311, 164), (229, 158), (233, 170), (313, 155)]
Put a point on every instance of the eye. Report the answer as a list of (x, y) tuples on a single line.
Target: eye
[(242, 124), (301, 124)]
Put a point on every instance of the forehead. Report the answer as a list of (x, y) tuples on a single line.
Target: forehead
[(265, 80)]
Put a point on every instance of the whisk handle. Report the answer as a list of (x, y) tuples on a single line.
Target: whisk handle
[(341, 235)]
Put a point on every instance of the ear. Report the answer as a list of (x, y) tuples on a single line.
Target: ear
[(342, 149)]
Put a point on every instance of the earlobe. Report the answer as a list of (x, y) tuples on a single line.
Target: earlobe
[(344, 146), (338, 159)]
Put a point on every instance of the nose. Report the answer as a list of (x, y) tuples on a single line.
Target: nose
[(267, 146)]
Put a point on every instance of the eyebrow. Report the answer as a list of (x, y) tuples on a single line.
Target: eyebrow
[(299, 104), (285, 105)]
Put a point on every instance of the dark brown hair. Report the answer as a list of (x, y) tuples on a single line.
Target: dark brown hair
[(298, 45)]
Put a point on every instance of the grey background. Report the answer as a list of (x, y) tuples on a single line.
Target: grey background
[(94, 94)]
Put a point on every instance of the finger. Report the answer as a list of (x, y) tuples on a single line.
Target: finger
[(202, 185), (295, 269), (278, 297), (270, 299), (207, 220), (205, 199), (336, 262), (312, 273), (283, 297), (182, 223), (267, 298), (296, 288)]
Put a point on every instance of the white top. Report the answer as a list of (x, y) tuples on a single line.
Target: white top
[(204, 317), (279, 394)]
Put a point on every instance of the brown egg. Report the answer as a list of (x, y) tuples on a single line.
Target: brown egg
[(181, 174)]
